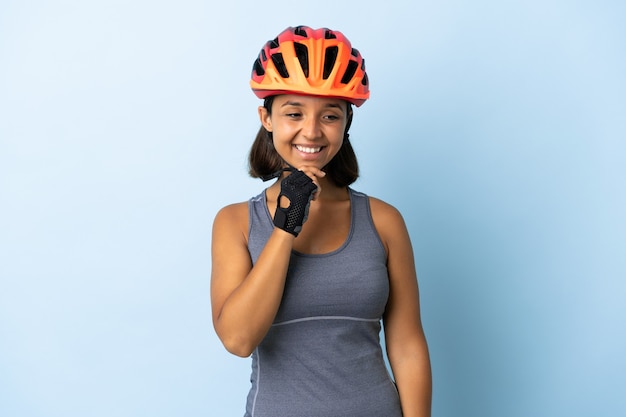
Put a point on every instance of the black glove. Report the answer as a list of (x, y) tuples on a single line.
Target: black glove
[(299, 189)]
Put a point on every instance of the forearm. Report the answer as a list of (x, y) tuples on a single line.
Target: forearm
[(414, 381), (249, 311)]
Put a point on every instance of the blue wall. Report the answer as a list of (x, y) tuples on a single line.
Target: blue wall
[(497, 128)]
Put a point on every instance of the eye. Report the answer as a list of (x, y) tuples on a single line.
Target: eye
[(331, 117), (293, 115)]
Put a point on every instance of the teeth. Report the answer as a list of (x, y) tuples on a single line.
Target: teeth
[(308, 150)]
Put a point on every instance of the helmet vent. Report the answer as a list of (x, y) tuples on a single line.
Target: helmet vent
[(300, 32), (329, 35), (274, 43), (347, 76), (329, 60), (279, 63), (355, 53), (364, 81), (258, 68), (302, 52)]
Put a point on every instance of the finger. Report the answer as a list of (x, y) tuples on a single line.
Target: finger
[(312, 170), (318, 172), (317, 192)]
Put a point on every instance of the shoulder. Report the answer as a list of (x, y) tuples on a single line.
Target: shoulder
[(388, 222), (233, 217), (378, 207), (231, 211), (384, 213)]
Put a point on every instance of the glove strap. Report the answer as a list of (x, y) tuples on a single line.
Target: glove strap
[(280, 220)]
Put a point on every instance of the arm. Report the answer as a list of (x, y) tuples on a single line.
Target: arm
[(406, 344), (245, 300)]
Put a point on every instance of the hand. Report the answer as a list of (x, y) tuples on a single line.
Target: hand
[(298, 189), (315, 174)]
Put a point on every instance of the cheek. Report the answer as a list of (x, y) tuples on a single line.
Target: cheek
[(338, 140)]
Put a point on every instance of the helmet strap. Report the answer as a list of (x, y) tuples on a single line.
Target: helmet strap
[(278, 173)]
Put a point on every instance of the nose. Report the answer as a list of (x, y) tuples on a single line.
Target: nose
[(311, 128)]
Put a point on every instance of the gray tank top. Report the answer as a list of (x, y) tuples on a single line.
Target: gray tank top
[(322, 356)]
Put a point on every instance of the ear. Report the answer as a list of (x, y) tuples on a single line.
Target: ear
[(266, 119)]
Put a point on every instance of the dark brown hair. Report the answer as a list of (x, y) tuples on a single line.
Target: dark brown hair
[(263, 159)]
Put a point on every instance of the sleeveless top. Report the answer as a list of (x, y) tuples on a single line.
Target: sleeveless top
[(322, 356)]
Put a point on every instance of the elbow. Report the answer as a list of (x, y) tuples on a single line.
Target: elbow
[(238, 347), (238, 342), (242, 352)]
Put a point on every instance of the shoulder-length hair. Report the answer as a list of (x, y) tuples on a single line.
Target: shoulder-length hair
[(263, 159)]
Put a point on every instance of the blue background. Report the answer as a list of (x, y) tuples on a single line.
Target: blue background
[(498, 128)]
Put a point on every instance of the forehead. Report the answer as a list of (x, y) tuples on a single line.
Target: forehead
[(312, 101)]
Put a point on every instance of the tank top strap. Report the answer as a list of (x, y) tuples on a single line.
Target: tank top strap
[(260, 225), (363, 231)]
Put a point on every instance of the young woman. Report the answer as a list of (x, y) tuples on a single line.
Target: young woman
[(303, 273)]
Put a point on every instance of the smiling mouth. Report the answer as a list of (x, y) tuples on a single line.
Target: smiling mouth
[(307, 149)]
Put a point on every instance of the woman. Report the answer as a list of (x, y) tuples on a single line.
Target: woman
[(303, 273)]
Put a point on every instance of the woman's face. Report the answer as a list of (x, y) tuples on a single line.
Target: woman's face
[(306, 130)]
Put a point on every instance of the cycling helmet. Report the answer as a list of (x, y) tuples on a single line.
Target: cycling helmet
[(319, 62)]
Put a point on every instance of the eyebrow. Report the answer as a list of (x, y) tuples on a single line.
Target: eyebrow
[(298, 104)]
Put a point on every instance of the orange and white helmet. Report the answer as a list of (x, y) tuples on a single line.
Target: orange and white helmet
[(317, 62)]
